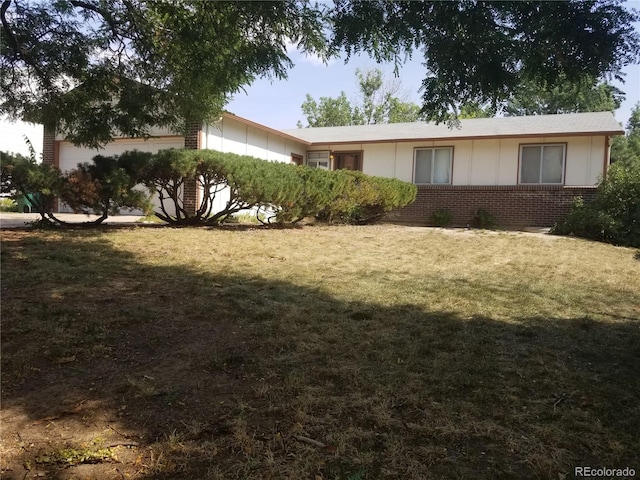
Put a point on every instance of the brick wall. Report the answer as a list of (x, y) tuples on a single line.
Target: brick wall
[(511, 206), (50, 155), (49, 146), (191, 192)]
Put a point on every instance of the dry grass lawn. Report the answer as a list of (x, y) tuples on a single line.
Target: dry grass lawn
[(317, 353)]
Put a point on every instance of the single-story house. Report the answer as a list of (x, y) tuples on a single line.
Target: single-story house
[(525, 171)]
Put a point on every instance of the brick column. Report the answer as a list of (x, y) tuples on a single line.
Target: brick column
[(191, 192), (49, 146), (51, 154)]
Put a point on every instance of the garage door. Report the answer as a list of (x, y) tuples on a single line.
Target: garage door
[(70, 155)]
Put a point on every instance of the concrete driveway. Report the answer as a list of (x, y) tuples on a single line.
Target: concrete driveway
[(13, 220)]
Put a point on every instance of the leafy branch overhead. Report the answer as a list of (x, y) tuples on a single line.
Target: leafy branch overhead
[(96, 69), (480, 52), (130, 64)]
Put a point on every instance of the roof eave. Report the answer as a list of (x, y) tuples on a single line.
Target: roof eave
[(608, 133)]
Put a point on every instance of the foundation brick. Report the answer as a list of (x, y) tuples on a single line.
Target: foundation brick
[(514, 206)]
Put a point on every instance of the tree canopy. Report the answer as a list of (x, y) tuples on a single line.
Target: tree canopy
[(481, 52), (94, 68), (378, 103)]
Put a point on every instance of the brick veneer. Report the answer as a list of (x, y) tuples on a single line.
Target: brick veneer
[(191, 190), (49, 146), (51, 155), (511, 206)]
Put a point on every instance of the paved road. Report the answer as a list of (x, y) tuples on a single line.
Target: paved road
[(12, 220)]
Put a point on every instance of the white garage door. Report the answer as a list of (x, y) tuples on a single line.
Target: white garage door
[(71, 156)]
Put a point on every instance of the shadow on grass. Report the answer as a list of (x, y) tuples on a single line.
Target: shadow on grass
[(171, 373)]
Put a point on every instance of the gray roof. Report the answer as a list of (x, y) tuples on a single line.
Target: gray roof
[(535, 125)]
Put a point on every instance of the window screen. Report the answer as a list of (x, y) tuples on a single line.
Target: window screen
[(432, 165), (542, 163)]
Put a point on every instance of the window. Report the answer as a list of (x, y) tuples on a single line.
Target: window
[(319, 160), (542, 163), (432, 165), (348, 160)]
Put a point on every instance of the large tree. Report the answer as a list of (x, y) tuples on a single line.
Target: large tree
[(481, 52), (378, 102), (96, 67)]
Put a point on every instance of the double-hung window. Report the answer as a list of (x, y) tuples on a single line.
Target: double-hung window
[(541, 164), (432, 165)]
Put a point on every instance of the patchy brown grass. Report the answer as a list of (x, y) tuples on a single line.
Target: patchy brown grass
[(316, 353)]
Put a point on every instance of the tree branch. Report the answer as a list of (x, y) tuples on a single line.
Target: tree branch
[(20, 52), (7, 27), (107, 17)]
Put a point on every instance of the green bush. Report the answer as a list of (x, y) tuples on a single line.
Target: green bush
[(320, 191), (442, 217), (40, 182), (364, 198), (166, 174), (614, 215), (484, 219), (107, 185), (277, 192), (251, 183), (8, 205)]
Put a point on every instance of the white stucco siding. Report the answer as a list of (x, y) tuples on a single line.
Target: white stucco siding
[(404, 161), (462, 165), (507, 161), (379, 159), (232, 136), (584, 160), (484, 164), (70, 155), (153, 132), (481, 162), (596, 170), (257, 143)]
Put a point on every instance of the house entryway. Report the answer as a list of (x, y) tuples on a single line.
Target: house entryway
[(347, 161)]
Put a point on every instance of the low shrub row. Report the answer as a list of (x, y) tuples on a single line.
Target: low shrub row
[(275, 192)]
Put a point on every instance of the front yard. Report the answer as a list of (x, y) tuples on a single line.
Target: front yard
[(317, 353)]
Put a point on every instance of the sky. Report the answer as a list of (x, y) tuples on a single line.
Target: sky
[(277, 103)]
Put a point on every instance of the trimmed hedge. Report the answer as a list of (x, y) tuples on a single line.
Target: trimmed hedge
[(278, 192)]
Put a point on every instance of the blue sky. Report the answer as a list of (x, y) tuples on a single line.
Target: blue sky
[(277, 103)]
